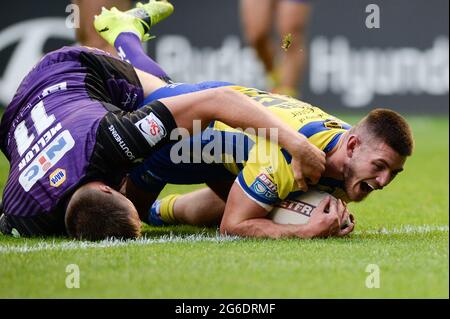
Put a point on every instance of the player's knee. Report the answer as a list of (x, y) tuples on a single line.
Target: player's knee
[(93, 214)]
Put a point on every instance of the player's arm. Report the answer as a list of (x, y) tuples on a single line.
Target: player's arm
[(130, 136), (244, 217), (237, 110)]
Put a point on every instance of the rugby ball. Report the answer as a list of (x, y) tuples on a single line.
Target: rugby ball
[(297, 210)]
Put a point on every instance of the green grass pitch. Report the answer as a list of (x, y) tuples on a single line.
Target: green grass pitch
[(403, 230)]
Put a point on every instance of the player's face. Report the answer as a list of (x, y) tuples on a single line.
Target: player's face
[(371, 167)]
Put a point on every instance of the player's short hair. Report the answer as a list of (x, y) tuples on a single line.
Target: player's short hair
[(389, 127), (93, 215)]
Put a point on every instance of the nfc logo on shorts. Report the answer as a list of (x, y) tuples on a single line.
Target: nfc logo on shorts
[(58, 177)]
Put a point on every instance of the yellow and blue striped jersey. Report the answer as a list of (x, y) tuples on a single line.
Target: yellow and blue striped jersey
[(261, 168), (266, 175)]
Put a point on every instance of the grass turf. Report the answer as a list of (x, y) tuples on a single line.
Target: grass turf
[(413, 264)]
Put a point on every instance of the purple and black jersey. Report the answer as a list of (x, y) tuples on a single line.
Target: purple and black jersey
[(68, 124)]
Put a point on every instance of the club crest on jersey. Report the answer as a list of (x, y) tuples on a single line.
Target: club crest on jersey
[(46, 159), (264, 187), (152, 129), (58, 177)]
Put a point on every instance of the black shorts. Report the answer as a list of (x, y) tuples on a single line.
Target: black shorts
[(122, 143), (51, 224)]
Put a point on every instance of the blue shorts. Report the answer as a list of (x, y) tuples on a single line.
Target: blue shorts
[(159, 169)]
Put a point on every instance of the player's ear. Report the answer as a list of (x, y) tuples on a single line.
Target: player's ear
[(97, 186), (352, 143), (105, 188)]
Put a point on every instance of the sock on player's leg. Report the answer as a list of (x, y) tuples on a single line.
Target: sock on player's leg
[(167, 209), (162, 213), (129, 48)]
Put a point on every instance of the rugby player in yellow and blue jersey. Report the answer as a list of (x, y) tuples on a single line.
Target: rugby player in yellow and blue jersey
[(221, 153), (247, 175), (359, 160)]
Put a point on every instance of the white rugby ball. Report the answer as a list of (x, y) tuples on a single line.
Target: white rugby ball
[(297, 210)]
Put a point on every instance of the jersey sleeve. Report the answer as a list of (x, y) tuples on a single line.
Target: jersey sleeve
[(267, 177), (124, 140)]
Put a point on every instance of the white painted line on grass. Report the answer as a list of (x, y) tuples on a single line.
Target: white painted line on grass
[(110, 243), (405, 229)]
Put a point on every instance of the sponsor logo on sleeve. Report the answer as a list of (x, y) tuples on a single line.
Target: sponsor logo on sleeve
[(58, 177), (46, 159), (151, 129), (121, 143), (263, 186)]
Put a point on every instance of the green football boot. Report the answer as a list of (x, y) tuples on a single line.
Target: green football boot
[(110, 23)]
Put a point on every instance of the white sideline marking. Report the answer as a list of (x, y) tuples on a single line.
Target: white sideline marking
[(405, 229), (109, 243), (71, 245)]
